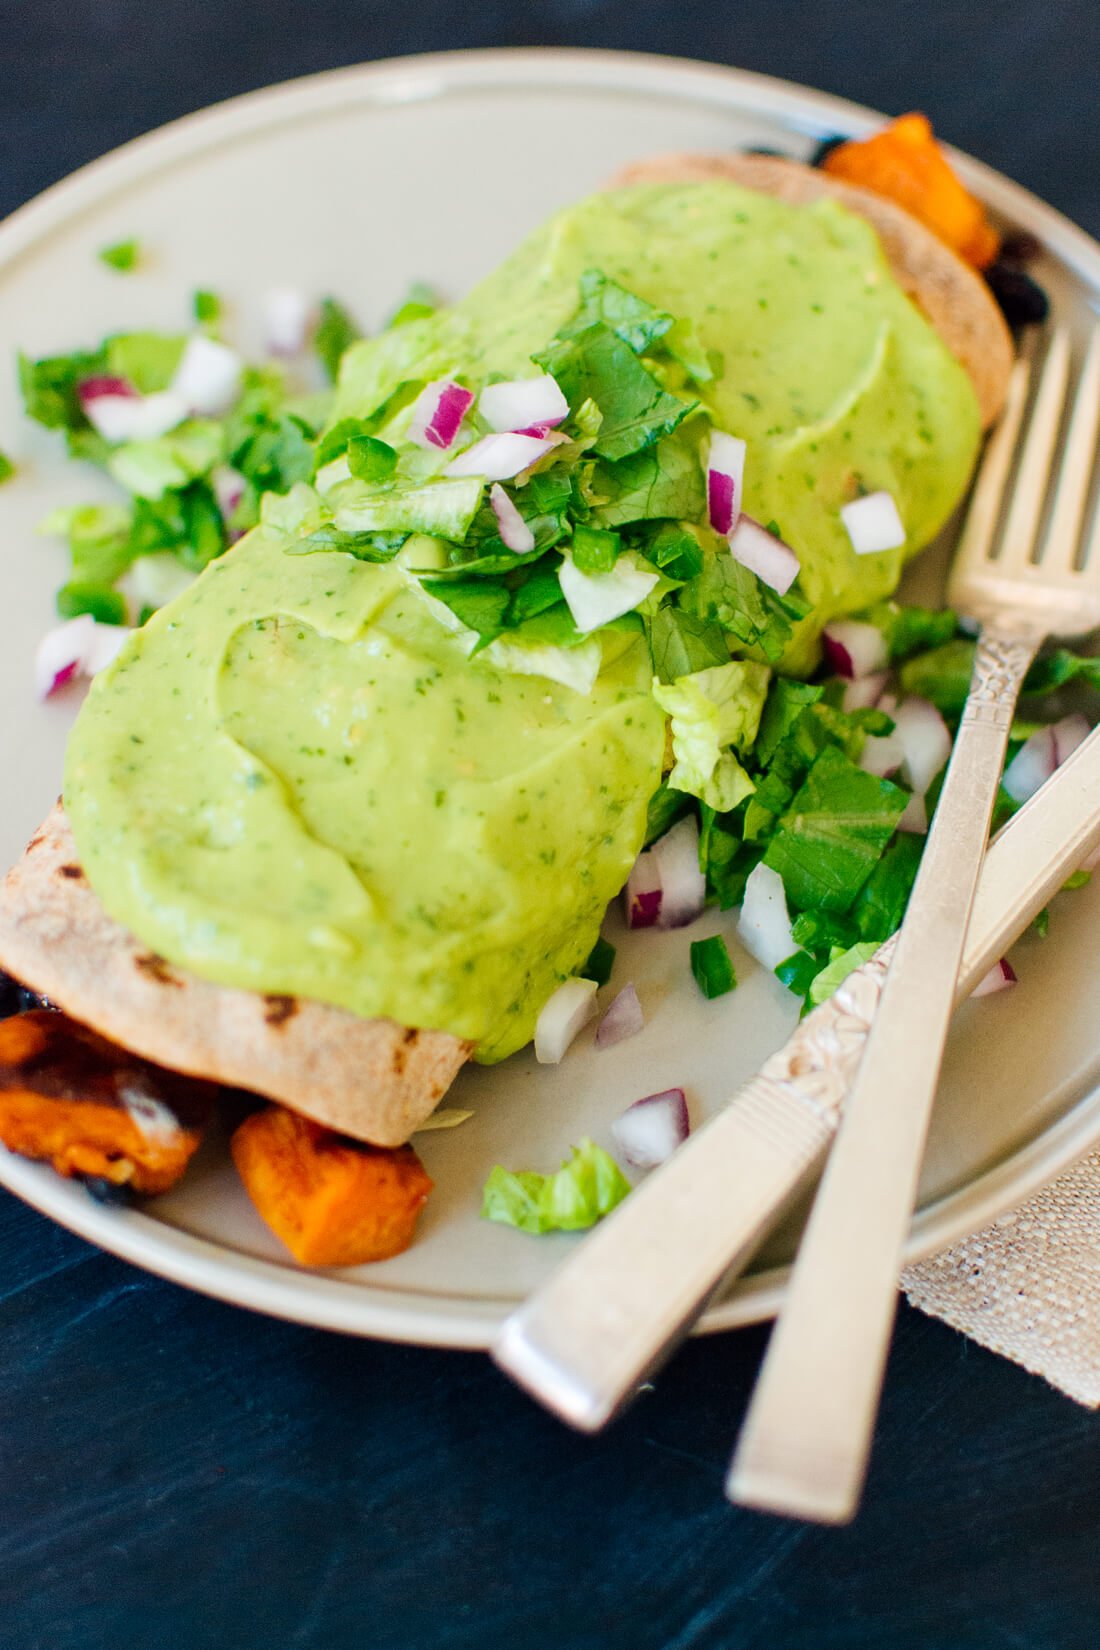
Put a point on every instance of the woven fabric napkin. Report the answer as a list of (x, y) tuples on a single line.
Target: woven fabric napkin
[(1028, 1286)]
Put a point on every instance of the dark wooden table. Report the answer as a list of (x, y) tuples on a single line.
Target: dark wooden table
[(178, 1475)]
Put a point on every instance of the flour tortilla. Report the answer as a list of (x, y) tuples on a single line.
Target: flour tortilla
[(372, 1079), (951, 294)]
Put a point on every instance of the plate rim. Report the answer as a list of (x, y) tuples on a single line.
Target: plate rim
[(367, 1308)]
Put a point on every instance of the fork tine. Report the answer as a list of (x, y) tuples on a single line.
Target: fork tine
[(1059, 547), (1029, 489), (985, 501)]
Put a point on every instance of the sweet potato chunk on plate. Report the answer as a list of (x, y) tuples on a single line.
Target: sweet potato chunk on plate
[(333, 1201), (90, 1109)]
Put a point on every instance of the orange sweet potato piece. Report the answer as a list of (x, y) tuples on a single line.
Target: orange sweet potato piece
[(91, 1109), (333, 1201), (905, 163)]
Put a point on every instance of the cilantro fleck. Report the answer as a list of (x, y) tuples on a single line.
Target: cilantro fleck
[(122, 256)]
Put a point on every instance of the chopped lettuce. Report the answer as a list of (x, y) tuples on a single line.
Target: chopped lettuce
[(711, 966), (121, 256), (728, 594), (442, 509), (335, 332), (596, 365), (829, 841), (837, 969), (148, 360), (588, 1186), (713, 711)]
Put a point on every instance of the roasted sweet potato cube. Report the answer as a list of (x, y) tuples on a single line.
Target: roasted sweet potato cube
[(905, 163), (91, 1109), (332, 1201)]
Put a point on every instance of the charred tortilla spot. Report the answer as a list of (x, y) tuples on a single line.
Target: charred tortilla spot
[(278, 1010), (411, 1034), (72, 871), (35, 842), (156, 968)]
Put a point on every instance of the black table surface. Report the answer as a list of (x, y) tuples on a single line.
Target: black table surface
[(180, 1475)]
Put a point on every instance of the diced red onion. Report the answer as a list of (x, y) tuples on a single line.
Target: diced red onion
[(873, 524), (228, 487), (514, 531), (914, 819), (649, 1131), (853, 648), (1032, 765), (1070, 732), (500, 457), (597, 598), (208, 378), (438, 414), (683, 885), (80, 647), (642, 894), (883, 756), (286, 317), (523, 402), (94, 389), (865, 692), (1038, 757), (926, 740), (623, 1019), (1001, 975), (763, 554), (570, 1007), (133, 417), (725, 480), (764, 926)]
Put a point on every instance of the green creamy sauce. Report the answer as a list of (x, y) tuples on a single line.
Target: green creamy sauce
[(833, 377), (293, 780)]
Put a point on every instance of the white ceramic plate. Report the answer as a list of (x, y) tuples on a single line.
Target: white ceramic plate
[(355, 183)]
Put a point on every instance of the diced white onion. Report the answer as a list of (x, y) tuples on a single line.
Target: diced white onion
[(1070, 732), (208, 378), (521, 402), (882, 756), (853, 648), (763, 554), (623, 1019), (154, 581), (914, 819), (649, 1131), (514, 531), (764, 926), (864, 692), (1001, 975), (571, 1006), (683, 885), (500, 457), (120, 418), (286, 318), (597, 598), (873, 524), (926, 740), (1032, 765)]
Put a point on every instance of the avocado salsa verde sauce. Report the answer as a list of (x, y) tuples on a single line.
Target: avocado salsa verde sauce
[(295, 780)]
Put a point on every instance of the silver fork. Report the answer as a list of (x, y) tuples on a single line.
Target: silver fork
[(806, 1439), (622, 1300)]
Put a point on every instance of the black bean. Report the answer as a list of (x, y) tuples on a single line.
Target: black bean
[(107, 1191), (765, 149), (1022, 300), (16, 999), (1019, 249), (825, 147)]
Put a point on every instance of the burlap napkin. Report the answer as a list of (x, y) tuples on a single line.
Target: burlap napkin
[(1029, 1285)]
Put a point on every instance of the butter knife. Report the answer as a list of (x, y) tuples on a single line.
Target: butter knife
[(623, 1300)]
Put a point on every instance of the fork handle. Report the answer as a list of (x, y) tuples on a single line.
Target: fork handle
[(804, 1448)]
